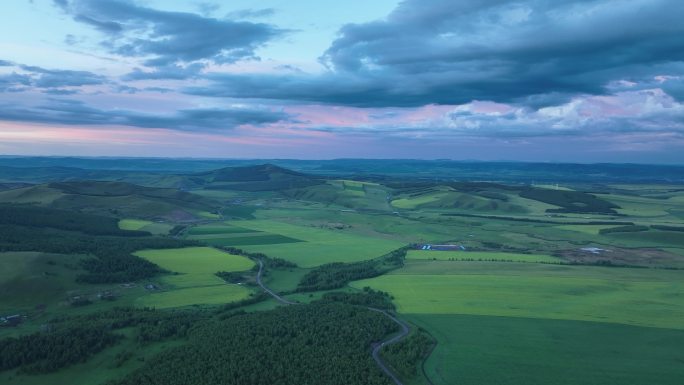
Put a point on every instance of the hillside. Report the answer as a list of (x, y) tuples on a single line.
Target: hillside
[(117, 198), (265, 177)]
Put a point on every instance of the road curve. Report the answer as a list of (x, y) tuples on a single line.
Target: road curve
[(405, 329), (269, 291)]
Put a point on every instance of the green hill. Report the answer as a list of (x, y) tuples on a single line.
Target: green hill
[(266, 177), (113, 198)]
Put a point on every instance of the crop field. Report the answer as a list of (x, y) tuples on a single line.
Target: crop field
[(318, 245), (478, 255), (195, 265), (218, 229), (210, 295), (642, 297), (476, 350), (195, 281), (550, 319)]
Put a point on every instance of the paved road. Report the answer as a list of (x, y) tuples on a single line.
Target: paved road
[(405, 329), (376, 347), (269, 291)]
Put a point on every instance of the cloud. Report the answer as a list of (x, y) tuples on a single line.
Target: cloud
[(13, 82), (51, 78), (164, 38), (5, 63), (250, 13), (452, 52), (642, 112), (168, 72), (75, 112)]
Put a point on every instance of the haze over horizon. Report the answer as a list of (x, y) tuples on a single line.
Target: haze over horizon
[(533, 80)]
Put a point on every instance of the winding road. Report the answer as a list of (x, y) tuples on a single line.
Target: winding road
[(405, 329), (269, 291)]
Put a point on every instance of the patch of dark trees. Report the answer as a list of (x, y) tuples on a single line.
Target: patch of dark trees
[(110, 260), (110, 249), (269, 262), (624, 229), (532, 220), (230, 276), (368, 297), (338, 274), (326, 343), (667, 228), (70, 340), (42, 217), (570, 201), (405, 356)]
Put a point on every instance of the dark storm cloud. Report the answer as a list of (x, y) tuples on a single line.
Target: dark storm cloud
[(74, 112), (452, 52), (164, 37)]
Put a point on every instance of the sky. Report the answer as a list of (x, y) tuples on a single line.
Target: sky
[(529, 80)]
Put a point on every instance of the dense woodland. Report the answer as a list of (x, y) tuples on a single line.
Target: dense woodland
[(406, 355), (269, 262), (41, 217), (107, 250), (70, 340), (570, 201), (369, 298), (338, 274), (298, 345)]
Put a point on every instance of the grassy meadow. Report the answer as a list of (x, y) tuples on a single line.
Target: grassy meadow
[(619, 325), (193, 280), (307, 246)]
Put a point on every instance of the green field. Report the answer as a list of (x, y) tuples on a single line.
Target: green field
[(193, 280), (479, 350), (478, 255), (319, 246), (620, 325), (585, 229), (642, 297), (210, 295), (217, 229), (133, 224), (29, 278)]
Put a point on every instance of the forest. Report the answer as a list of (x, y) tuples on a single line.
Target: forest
[(325, 343)]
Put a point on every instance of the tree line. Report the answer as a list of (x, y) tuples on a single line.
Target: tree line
[(338, 274)]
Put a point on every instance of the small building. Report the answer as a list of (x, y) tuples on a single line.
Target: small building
[(11, 320)]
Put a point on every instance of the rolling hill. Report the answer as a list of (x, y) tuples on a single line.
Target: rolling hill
[(113, 198)]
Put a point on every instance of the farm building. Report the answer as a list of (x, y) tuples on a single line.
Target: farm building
[(442, 247)]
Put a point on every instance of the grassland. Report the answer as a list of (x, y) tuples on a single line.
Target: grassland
[(477, 350), (319, 245), (641, 297), (619, 325), (133, 224), (193, 281), (478, 255), (28, 279), (585, 229)]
